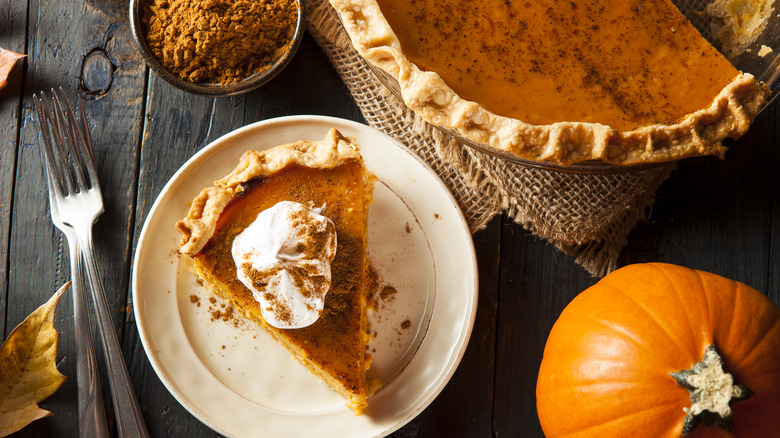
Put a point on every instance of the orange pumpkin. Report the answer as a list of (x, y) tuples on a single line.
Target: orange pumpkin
[(658, 350)]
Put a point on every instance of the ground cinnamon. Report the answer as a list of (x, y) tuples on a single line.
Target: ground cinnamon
[(218, 41)]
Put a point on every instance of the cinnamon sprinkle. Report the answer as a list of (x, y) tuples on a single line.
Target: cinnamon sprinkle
[(313, 241)]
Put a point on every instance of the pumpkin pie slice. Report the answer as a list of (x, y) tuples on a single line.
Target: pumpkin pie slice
[(325, 180), (617, 81)]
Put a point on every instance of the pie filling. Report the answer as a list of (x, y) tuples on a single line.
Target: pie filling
[(631, 64), (620, 81), (334, 346)]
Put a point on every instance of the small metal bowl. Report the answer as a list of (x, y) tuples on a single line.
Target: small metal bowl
[(247, 84)]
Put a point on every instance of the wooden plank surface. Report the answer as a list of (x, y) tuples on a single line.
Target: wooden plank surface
[(536, 282), (718, 215), (714, 215), (86, 48), (13, 16)]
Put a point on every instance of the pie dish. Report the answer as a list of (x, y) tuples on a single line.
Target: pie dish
[(329, 174), (562, 82)]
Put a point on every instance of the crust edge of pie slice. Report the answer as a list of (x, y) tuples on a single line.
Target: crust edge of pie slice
[(334, 347), (699, 132)]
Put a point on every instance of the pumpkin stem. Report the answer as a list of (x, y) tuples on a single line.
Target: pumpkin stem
[(712, 390)]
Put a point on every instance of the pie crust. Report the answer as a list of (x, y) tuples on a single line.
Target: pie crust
[(198, 227), (699, 132), (327, 174)]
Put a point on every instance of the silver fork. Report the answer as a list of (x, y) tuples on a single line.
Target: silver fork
[(92, 417), (76, 201)]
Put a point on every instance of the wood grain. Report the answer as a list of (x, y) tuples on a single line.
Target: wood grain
[(536, 283), (12, 37), (719, 216), (57, 58)]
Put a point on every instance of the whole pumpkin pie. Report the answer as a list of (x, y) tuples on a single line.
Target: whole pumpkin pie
[(289, 223), (617, 81)]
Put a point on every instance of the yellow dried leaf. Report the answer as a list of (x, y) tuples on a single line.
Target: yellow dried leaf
[(28, 368), (7, 61)]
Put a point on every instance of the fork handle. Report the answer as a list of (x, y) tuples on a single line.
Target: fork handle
[(92, 415), (129, 419)]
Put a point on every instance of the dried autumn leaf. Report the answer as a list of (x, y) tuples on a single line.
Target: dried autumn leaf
[(7, 61), (28, 368)]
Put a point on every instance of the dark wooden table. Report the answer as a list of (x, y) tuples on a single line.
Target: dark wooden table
[(720, 216)]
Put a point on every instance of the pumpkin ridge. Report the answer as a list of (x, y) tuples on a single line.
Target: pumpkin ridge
[(586, 430), (755, 349), (706, 297), (621, 329), (679, 294), (611, 382), (652, 317), (736, 300)]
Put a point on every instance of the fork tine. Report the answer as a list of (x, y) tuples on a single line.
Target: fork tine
[(82, 140), (53, 179), (60, 159), (90, 160), (66, 125)]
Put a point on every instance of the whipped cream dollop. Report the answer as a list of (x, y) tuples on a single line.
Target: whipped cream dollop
[(284, 258)]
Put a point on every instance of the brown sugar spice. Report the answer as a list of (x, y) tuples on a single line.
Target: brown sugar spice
[(218, 41)]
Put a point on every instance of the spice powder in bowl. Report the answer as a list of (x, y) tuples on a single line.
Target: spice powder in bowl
[(219, 41)]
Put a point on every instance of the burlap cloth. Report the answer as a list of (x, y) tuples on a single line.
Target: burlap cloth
[(586, 216)]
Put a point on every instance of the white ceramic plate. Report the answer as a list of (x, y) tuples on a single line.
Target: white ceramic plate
[(234, 378)]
